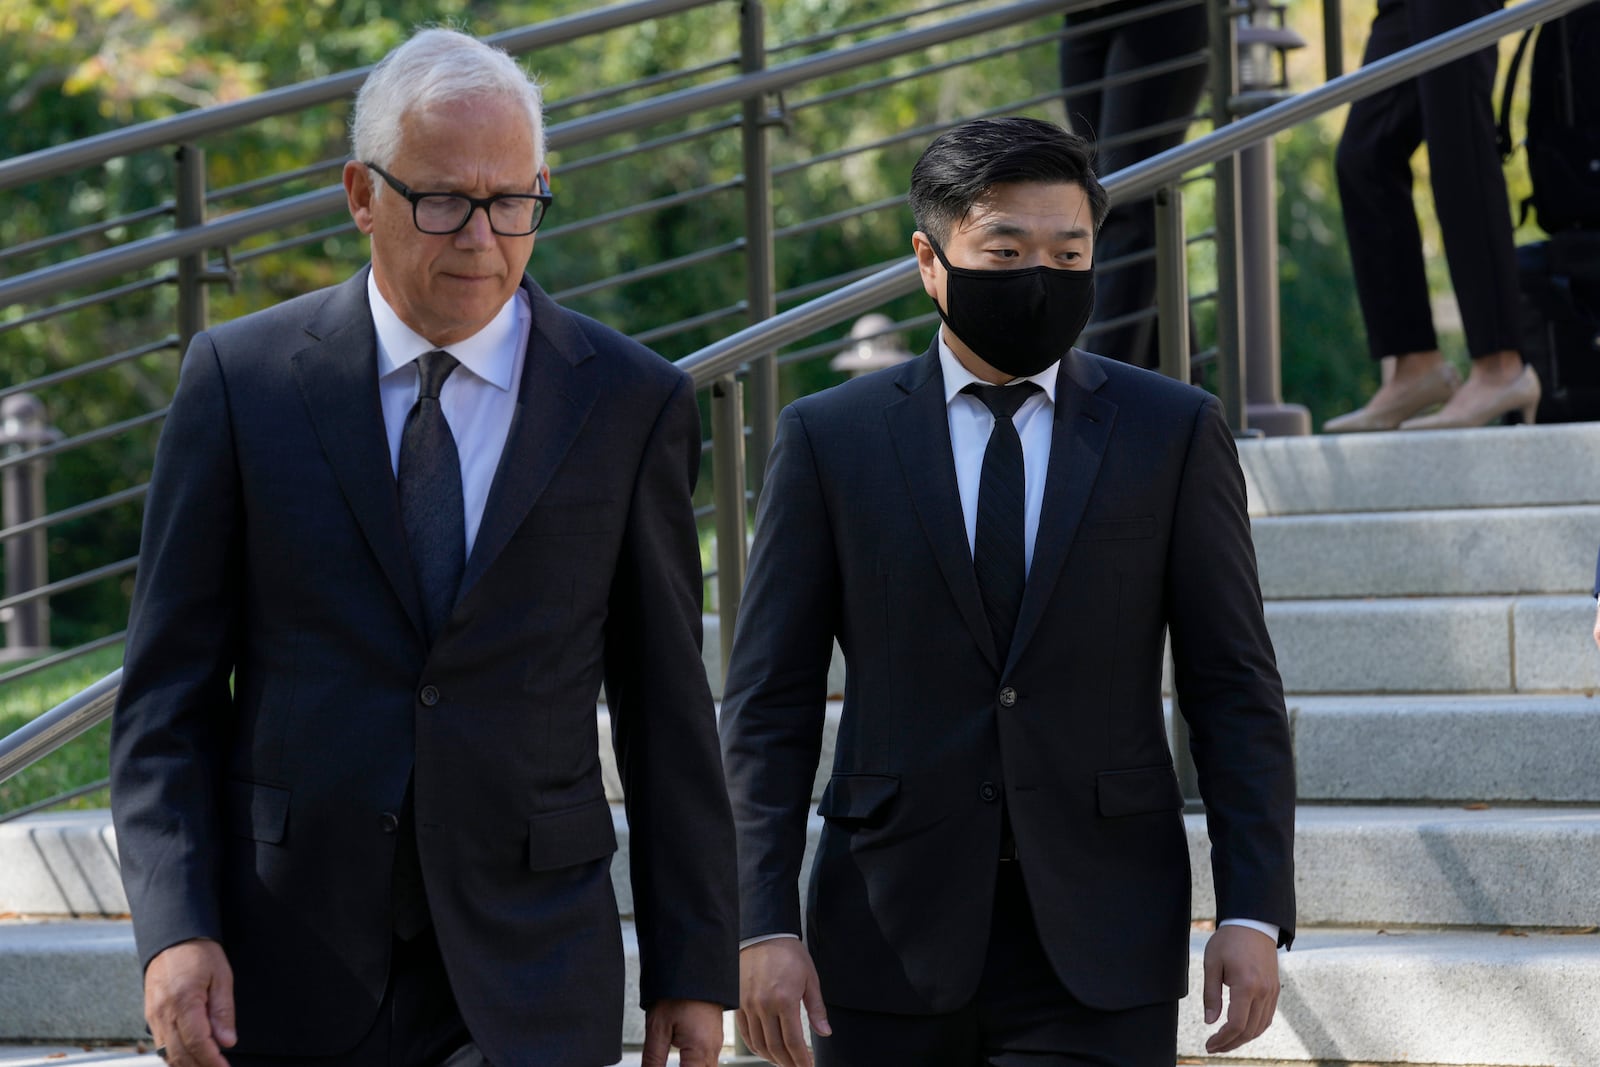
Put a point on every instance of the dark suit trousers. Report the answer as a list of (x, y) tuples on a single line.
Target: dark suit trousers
[(1020, 1017), (1130, 121), (1451, 109), (417, 1025)]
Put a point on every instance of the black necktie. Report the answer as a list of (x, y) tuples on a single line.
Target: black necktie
[(998, 545), (430, 495)]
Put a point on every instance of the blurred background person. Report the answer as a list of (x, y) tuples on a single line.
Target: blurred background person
[(1451, 109), (1129, 121)]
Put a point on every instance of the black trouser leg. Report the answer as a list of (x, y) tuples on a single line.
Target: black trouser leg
[(1469, 185), (1129, 122), (1021, 1015), (1449, 108)]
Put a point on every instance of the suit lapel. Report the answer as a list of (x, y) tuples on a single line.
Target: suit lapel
[(558, 388), (1078, 439), (337, 375), (919, 426)]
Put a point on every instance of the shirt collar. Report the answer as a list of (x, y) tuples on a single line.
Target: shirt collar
[(490, 353), (958, 377)]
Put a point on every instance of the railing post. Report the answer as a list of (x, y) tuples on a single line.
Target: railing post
[(1266, 45), (1263, 348), (23, 429), (760, 272), (1224, 86), (1332, 40), (1172, 284), (727, 473), (192, 269), (727, 477)]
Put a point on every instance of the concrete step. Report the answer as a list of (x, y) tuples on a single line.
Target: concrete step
[(1428, 553), (1425, 997), (1507, 867), (1400, 748), (1518, 866), (1514, 466), (1521, 644), (1453, 748), (1399, 996), (79, 979), (1413, 866), (1411, 644)]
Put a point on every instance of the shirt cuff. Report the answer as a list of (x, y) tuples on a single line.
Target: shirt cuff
[(747, 942), (1270, 929)]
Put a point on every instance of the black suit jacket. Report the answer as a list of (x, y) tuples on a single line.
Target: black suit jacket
[(274, 558), (860, 536)]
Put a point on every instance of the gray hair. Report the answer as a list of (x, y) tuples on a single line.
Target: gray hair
[(435, 66)]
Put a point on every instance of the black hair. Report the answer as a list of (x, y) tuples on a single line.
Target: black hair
[(965, 162)]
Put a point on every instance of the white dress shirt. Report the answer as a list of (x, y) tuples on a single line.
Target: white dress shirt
[(478, 400), (970, 424)]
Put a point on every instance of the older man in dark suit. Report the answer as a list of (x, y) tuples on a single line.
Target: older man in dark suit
[(998, 535), (399, 533)]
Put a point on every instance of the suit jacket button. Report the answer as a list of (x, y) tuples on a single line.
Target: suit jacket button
[(988, 792), (429, 696), (389, 822), (1008, 697)]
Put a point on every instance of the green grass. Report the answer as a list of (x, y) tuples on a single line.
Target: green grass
[(79, 762)]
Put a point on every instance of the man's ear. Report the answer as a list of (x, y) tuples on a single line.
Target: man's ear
[(358, 193), (928, 265)]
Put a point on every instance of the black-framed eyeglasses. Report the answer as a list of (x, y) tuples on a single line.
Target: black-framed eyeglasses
[(510, 214)]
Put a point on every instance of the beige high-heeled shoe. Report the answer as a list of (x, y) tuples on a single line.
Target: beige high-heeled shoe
[(1433, 388), (1521, 394)]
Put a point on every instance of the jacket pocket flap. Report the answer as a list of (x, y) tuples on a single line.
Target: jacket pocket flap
[(571, 836), (857, 796), (259, 812), (1138, 791), (1118, 529)]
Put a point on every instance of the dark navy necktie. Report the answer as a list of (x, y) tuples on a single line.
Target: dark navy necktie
[(431, 505), (999, 554), (431, 508)]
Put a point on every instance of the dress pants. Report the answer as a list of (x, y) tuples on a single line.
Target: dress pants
[(417, 1024), (1021, 1015), (1451, 109), (1129, 122)]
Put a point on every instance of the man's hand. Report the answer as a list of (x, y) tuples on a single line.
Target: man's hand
[(694, 1027), (1597, 628), (775, 977), (1246, 961), (188, 1002)]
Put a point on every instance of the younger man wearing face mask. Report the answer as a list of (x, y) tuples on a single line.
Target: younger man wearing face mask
[(999, 535)]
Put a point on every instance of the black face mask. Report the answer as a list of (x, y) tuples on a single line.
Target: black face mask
[(1017, 321)]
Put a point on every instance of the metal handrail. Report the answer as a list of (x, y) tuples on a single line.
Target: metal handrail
[(70, 719), (1140, 179), (220, 118)]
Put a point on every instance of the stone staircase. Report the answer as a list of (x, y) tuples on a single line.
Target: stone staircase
[(1427, 596)]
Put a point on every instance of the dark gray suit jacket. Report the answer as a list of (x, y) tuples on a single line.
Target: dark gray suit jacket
[(860, 537), (274, 558)]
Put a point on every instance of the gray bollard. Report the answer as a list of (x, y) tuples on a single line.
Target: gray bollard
[(23, 429)]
